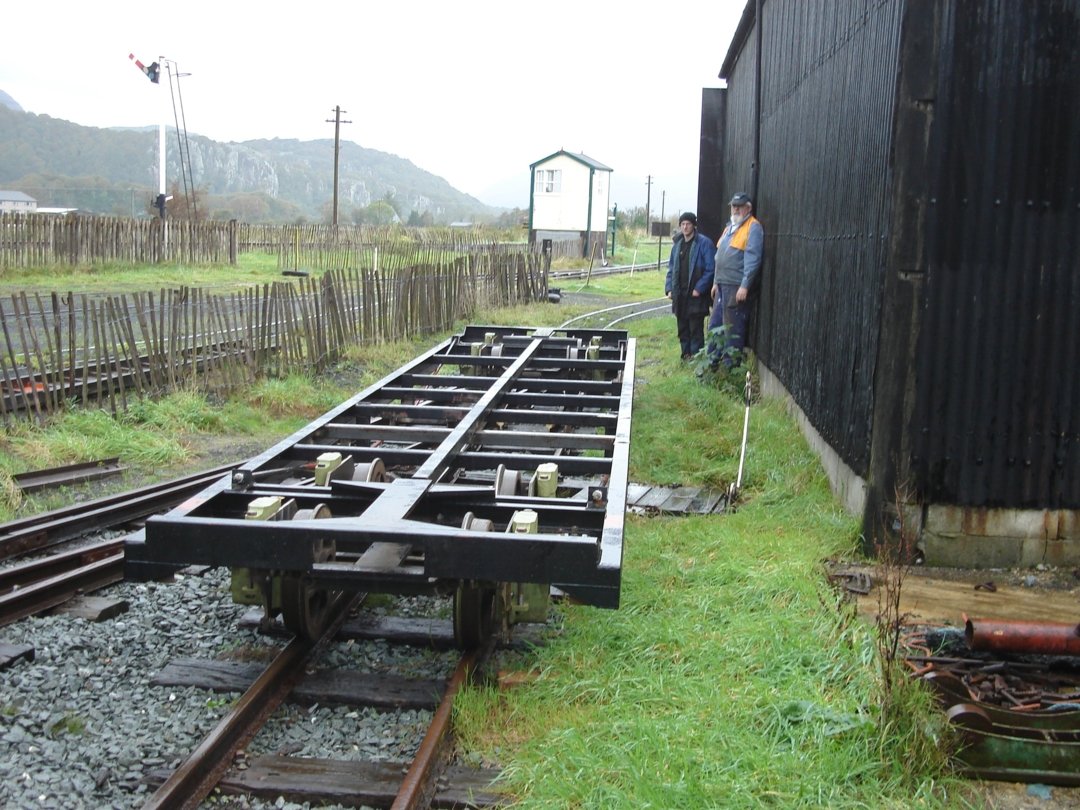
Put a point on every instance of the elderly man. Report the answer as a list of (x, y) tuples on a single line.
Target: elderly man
[(738, 260), (689, 280)]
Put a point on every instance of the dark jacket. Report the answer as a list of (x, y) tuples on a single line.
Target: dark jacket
[(702, 265)]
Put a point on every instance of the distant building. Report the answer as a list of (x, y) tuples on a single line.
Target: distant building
[(17, 202), (568, 199)]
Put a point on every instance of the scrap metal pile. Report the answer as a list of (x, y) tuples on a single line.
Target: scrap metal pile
[(1012, 691)]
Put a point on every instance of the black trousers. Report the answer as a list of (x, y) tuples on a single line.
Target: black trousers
[(691, 333)]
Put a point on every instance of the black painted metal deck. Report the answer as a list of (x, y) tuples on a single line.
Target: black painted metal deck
[(417, 479)]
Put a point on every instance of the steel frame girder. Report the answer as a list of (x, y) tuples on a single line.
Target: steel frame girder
[(579, 547)]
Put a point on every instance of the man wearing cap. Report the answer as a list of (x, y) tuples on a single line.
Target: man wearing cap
[(738, 260), (689, 282)]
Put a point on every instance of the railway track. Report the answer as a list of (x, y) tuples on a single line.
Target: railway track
[(360, 715), (42, 584), (610, 270), (412, 784), (40, 532), (611, 317), (52, 574)]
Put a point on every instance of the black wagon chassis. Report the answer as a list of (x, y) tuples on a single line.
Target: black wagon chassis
[(438, 474)]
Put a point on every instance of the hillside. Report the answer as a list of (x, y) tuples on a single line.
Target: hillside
[(114, 171)]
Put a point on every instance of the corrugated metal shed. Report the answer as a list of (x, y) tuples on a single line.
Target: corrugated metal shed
[(828, 71), (917, 171), (997, 414)]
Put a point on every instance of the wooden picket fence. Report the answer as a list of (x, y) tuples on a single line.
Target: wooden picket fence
[(46, 240), (64, 349)]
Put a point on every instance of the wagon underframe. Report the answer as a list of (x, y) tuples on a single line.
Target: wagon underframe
[(429, 477)]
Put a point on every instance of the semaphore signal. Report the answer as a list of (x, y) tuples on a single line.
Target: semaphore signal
[(153, 72)]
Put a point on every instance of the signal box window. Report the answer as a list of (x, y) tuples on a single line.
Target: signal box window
[(548, 181)]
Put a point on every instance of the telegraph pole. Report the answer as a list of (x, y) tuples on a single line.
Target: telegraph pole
[(660, 239), (648, 194), (337, 149)]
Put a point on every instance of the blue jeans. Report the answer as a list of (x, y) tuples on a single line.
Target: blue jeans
[(735, 318)]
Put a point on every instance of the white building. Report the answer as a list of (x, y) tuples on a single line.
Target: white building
[(568, 199), (17, 202)]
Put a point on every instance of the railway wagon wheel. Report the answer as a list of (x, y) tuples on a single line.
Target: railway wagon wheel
[(305, 606), (477, 606), (475, 613)]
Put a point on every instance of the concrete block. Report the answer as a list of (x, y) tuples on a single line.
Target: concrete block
[(1069, 525), (1050, 552), (965, 551), (1010, 522), (944, 519)]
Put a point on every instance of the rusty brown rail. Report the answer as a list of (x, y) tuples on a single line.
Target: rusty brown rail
[(419, 782), (78, 473), (204, 767), (64, 583), (37, 532)]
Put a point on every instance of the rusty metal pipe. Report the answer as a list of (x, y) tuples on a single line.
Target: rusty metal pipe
[(1036, 638)]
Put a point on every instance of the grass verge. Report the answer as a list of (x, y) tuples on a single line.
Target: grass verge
[(732, 675), (250, 268), (158, 438)]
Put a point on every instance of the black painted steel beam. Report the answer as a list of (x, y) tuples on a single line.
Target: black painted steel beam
[(449, 449)]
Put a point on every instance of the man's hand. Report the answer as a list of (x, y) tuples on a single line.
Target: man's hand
[(696, 294), (740, 296), (668, 293)]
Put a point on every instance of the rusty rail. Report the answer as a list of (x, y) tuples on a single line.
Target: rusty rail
[(419, 783), (67, 578), (37, 532), (200, 772), (78, 473)]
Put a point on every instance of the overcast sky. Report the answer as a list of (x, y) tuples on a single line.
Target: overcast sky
[(473, 91)]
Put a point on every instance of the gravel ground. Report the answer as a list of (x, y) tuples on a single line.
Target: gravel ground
[(81, 724)]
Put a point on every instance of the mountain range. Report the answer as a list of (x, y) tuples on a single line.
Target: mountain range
[(114, 171)]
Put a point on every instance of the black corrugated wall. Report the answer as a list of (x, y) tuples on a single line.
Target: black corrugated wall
[(828, 83), (919, 183), (996, 420)]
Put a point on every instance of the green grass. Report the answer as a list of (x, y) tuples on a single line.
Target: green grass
[(731, 675), (157, 438), (251, 268)]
